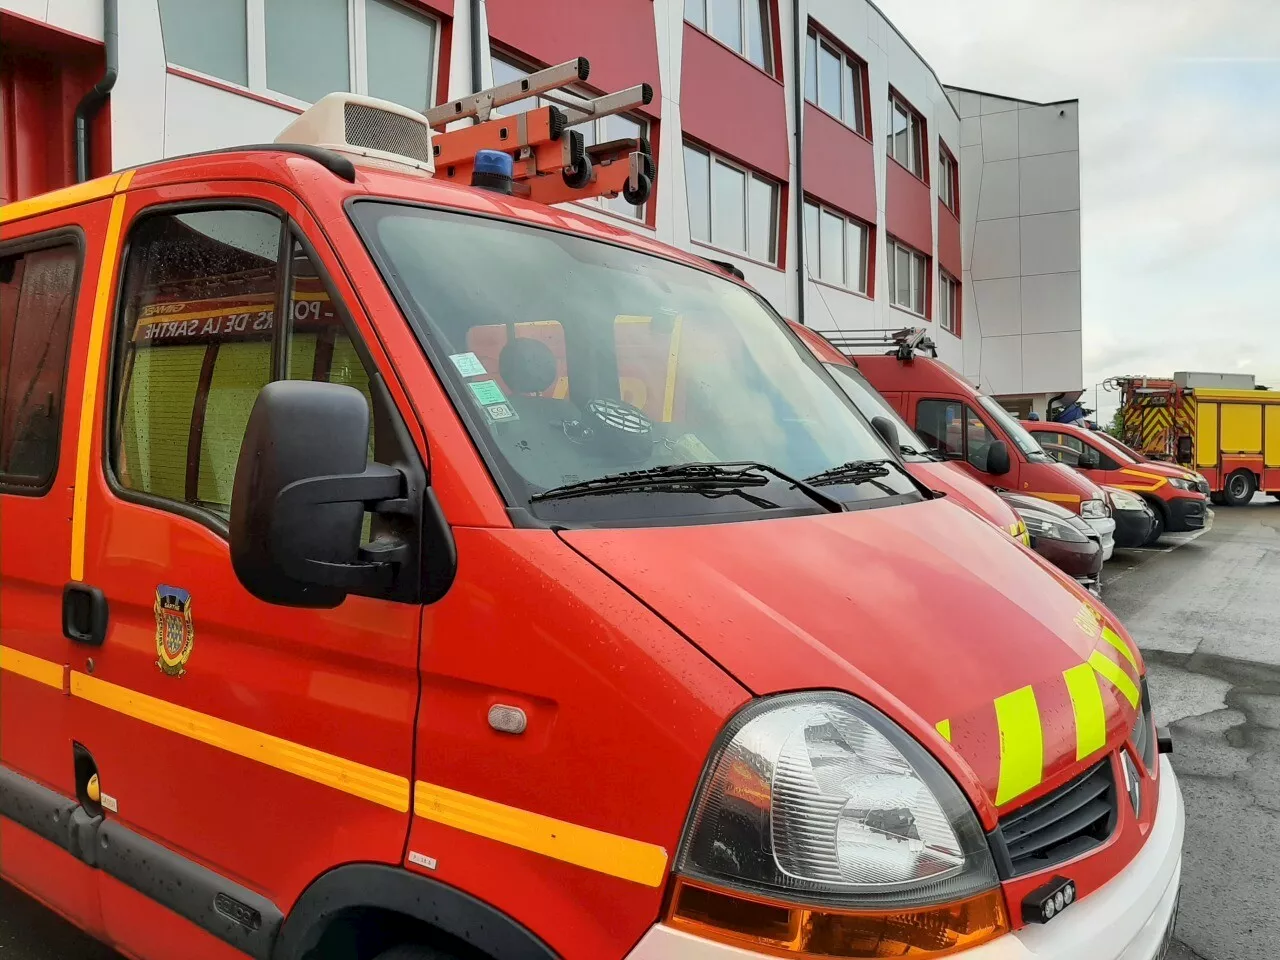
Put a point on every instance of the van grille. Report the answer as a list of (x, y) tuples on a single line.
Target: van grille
[(375, 129), (1072, 820)]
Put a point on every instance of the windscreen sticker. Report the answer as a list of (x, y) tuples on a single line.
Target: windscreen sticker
[(500, 413), (487, 392), (468, 364)]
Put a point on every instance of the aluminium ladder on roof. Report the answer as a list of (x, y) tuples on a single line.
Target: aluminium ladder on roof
[(553, 164), (904, 343)]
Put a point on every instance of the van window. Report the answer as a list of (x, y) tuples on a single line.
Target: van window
[(37, 304), (977, 440), (938, 425), (199, 341)]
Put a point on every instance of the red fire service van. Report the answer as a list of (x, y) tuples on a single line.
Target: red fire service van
[(1180, 498), (345, 617)]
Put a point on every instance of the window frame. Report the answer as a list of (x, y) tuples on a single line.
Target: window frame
[(849, 63), (917, 136), (964, 431), (647, 131), (750, 174), (290, 230), (71, 235), (917, 256), (357, 55), (815, 256), (949, 288), (948, 176), (770, 66)]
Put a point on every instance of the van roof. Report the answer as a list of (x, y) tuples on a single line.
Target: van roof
[(919, 373)]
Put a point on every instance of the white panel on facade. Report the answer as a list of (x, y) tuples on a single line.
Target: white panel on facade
[(1051, 303), (137, 133), (1000, 136), (999, 192), (1050, 243), (1051, 361), (38, 9), (1001, 370), (1051, 129), (970, 104), (996, 250), (75, 16), (992, 104), (970, 181), (999, 306), (971, 131), (200, 117), (830, 309), (1050, 183)]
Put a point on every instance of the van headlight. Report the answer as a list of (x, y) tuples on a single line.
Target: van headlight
[(845, 827), (1124, 500), (1094, 510), (1179, 484)]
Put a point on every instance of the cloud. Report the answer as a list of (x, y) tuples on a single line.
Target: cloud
[(1179, 157)]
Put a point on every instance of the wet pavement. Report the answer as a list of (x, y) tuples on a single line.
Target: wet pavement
[(1206, 611), (1207, 616)]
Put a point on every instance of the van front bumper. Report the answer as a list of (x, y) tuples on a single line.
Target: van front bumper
[(1128, 918)]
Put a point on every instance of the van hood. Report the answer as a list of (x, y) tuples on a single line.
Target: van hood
[(1154, 467), (1068, 481), (922, 610), (963, 489)]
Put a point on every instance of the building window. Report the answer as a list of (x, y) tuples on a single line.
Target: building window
[(741, 25), (304, 49), (906, 136), (948, 302), (837, 248), (730, 207), (37, 303), (618, 127), (835, 81), (948, 179), (908, 278)]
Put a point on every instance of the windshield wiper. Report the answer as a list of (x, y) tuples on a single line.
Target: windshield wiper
[(855, 471), (707, 479)]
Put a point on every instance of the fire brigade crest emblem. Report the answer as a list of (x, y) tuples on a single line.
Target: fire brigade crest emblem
[(175, 632)]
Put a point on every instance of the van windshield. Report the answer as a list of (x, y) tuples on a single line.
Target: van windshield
[(871, 404), (573, 359), (1017, 433)]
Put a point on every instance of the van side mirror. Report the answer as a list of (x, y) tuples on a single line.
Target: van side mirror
[(998, 458), (303, 483), (1090, 459), (888, 431)]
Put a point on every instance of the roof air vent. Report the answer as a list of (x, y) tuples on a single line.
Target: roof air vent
[(373, 132)]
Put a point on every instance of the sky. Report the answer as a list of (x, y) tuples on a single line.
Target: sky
[(1179, 163)]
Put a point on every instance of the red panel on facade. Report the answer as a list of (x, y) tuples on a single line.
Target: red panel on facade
[(907, 215), (43, 75), (618, 37), (839, 165), (949, 257), (732, 106)]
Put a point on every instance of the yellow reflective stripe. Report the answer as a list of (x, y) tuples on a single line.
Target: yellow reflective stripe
[(1021, 744), (93, 363), (634, 860), (1115, 673), (368, 783), (1159, 481), (1086, 704), (66, 197), (673, 359), (1115, 640), (1053, 497), (944, 728), (33, 668)]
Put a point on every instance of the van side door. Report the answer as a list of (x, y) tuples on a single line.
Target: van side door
[(243, 748), (49, 265), (960, 433)]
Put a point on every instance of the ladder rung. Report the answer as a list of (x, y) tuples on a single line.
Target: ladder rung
[(641, 95), (479, 105)]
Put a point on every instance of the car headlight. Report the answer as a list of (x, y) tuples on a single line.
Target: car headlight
[(850, 832), (1094, 510), (1051, 528), (1181, 484), (1124, 500)]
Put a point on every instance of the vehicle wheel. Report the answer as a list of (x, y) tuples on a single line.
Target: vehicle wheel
[(578, 175), (1157, 531), (1217, 500), (1239, 488), (408, 951), (640, 196)]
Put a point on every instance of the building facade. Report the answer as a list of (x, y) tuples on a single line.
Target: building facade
[(882, 193)]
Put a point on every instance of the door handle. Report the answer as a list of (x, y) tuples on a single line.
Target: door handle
[(84, 614)]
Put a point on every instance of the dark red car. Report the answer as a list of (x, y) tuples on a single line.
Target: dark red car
[(1062, 538)]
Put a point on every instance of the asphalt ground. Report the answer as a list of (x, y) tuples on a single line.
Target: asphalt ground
[(1205, 608)]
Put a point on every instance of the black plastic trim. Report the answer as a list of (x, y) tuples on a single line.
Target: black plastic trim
[(41, 810), (451, 911), (233, 914), (49, 240)]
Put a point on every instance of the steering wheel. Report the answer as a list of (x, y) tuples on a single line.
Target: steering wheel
[(615, 428)]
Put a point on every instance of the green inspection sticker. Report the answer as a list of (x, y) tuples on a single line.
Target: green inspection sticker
[(487, 392), (468, 364)]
